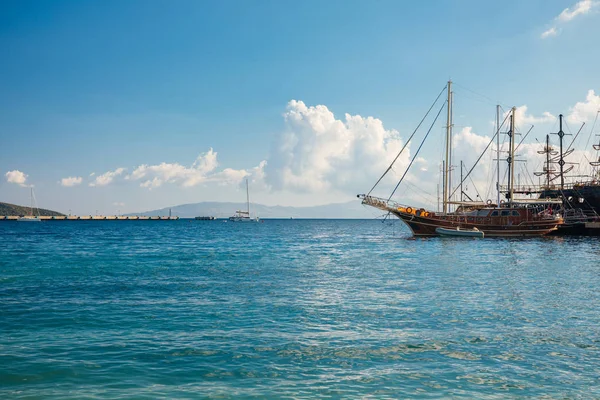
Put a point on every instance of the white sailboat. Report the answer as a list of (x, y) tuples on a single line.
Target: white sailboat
[(244, 216), (32, 217)]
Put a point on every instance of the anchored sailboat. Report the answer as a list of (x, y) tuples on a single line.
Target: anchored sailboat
[(244, 216), (513, 218), (32, 217)]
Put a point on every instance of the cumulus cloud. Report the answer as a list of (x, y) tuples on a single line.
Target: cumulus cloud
[(16, 177), (467, 138), (568, 14), (107, 177), (319, 152), (71, 181), (584, 111), (524, 118), (201, 171)]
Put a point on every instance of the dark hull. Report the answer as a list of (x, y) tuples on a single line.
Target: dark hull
[(499, 227), (577, 229), (589, 193)]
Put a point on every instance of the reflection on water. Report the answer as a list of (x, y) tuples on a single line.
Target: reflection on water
[(301, 309)]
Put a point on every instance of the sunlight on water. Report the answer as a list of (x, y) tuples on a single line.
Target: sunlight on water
[(297, 309)]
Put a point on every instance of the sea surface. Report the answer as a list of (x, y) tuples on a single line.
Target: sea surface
[(293, 309)]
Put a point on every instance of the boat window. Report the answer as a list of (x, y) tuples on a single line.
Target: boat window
[(494, 214), (515, 213), (505, 213), (482, 213)]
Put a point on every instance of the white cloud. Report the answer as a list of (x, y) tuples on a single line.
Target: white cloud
[(320, 153), (568, 14), (550, 32), (523, 118), (107, 177), (584, 111), (581, 8), (71, 181), (466, 137), (201, 171), (118, 204), (16, 177)]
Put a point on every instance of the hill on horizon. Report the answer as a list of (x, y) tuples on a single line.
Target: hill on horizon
[(13, 209), (349, 210)]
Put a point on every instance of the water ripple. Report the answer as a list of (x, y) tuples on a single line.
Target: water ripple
[(293, 309)]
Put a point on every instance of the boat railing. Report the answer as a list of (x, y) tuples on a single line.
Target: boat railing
[(530, 189), (388, 205)]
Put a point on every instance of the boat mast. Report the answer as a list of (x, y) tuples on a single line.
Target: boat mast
[(548, 161), (561, 162), (247, 198), (511, 157), (448, 144), (498, 154), (461, 180), (31, 199)]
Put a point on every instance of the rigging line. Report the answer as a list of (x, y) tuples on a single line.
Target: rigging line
[(481, 155), (524, 137), (478, 94), (424, 193), (475, 187), (418, 150), (408, 141), (526, 174), (575, 137), (590, 136)]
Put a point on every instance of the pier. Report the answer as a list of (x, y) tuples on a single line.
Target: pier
[(93, 218)]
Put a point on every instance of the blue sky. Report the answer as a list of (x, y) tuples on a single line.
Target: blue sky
[(90, 87)]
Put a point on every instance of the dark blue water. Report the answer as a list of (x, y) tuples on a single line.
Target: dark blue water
[(293, 309)]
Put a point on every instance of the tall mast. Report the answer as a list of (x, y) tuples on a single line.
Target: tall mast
[(511, 157), (548, 161), (450, 104), (498, 154), (247, 197), (31, 199), (461, 180), (561, 162), (448, 144)]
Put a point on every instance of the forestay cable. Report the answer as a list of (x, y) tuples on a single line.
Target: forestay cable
[(407, 142)]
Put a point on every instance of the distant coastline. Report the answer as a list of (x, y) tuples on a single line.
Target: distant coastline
[(13, 209), (348, 210)]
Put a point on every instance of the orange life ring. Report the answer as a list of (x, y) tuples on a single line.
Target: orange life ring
[(409, 210)]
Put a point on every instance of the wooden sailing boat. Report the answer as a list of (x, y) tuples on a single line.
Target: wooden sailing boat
[(514, 218), (32, 217)]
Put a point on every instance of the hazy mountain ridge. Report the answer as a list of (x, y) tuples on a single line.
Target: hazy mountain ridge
[(13, 209), (352, 209)]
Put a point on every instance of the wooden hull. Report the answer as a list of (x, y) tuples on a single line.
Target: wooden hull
[(426, 226)]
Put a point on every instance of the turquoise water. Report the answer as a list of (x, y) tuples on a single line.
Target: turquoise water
[(293, 309)]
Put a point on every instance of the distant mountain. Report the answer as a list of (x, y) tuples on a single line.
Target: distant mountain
[(352, 209), (13, 209)]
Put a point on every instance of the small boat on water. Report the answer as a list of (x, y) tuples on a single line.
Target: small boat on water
[(244, 216), (32, 217), (460, 232)]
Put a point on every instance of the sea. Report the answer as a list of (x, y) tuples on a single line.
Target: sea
[(293, 309)]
